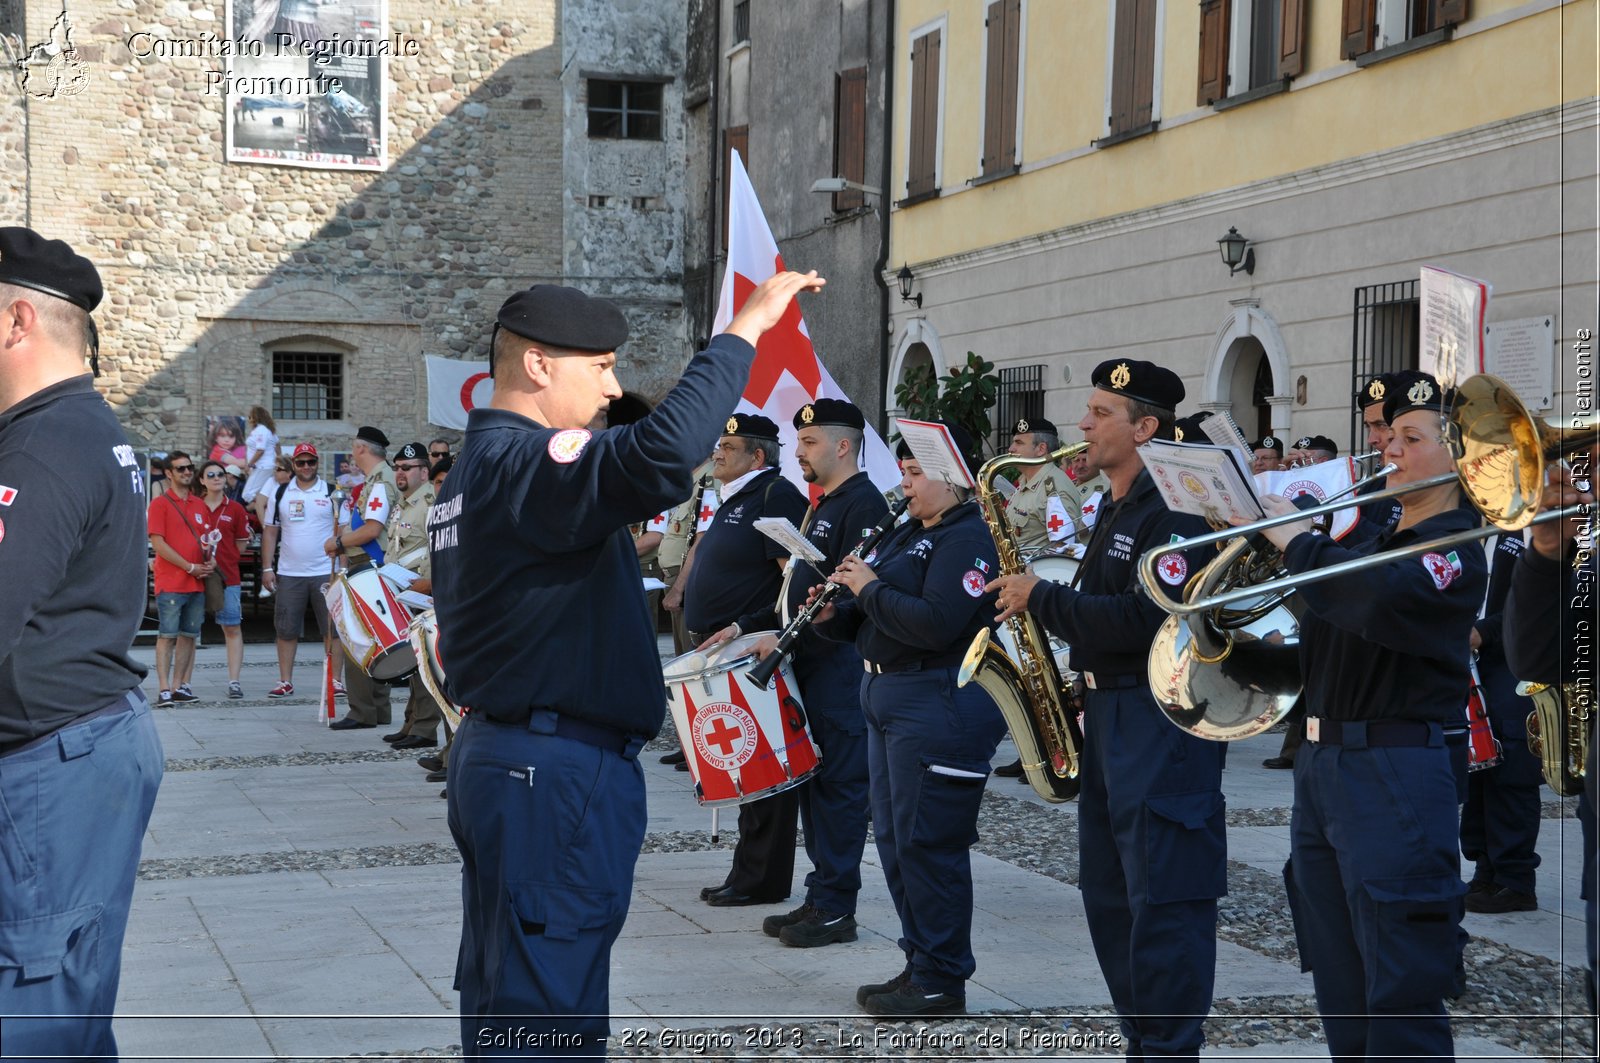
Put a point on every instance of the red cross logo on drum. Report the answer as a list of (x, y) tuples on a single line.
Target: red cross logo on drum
[(1054, 523), (724, 735)]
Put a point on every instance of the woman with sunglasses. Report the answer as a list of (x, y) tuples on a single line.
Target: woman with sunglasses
[(226, 530)]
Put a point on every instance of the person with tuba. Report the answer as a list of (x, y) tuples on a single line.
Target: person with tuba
[(1374, 876), (1151, 838), (1549, 631), (914, 605)]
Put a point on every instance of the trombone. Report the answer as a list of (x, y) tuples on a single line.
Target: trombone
[(1504, 451)]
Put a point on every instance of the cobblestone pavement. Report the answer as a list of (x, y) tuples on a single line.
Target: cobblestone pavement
[(299, 899)]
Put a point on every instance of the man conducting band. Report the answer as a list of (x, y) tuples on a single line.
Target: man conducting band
[(733, 582), (546, 795), (1151, 838)]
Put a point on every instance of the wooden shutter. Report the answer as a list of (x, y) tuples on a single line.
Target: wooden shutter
[(1144, 62), (924, 115), (1214, 23), (1291, 38), (734, 138), (1004, 24), (1446, 13), (1357, 28), (850, 135), (1122, 68)]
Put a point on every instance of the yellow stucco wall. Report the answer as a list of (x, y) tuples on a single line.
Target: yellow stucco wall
[(1534, 61)]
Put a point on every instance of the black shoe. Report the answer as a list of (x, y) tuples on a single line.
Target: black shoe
[(772, 925), (819, 928), (416, 742), (347, 724), (443, 794), (682, 765), (1010, 771), (911, 1001), (431, 762), (727, 897), (873, 989), (395, 737), (1480, 885), (707, 891), (675, 757), (1501, 901), (1278, 762), (436, 776)]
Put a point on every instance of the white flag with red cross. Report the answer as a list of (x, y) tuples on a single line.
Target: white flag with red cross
[(787, 373)]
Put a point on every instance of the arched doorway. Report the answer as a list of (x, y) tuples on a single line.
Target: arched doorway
[(1249, 366), (917, 346)]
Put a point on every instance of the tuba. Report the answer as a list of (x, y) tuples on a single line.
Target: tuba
[(1037, 703)]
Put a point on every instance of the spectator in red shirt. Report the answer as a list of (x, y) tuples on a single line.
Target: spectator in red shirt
[(226, 531), (174, 523)]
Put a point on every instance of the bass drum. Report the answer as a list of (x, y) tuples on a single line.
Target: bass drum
[(424, 637), (1057, 568)]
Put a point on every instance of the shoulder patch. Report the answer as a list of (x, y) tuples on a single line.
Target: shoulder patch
[(973, 583), (1440, 569), (1173, 569), (566, 446)]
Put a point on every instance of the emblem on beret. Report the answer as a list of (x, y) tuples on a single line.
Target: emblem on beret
[(1121, 375), (1177, 433), (1022, 424), (1303, 443), (1420, 392), (1268, 443), (807, 414), (1375, 390), (732, 426)]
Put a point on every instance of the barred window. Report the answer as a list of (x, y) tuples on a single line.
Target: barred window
[(1021, 395), (1384, 335), (741, 21), (307, 386), (625, 110)]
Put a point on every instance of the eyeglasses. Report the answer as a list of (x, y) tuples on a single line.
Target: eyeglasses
[(213, 475), (305, 463), (438, 453), (183, 468), (411, 466)]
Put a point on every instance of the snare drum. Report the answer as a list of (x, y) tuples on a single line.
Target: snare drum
[(742, 742), (424, 637), (366, 610), (1483, 748)]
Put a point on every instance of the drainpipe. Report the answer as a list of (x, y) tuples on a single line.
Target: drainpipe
[(885, 338)]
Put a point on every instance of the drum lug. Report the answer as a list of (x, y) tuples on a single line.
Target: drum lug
[(738, 787), (798, 720)]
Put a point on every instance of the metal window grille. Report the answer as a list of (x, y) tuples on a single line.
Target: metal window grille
[(741, 21), (1383, 338), (1021, 394), (307, 386), (625, 110)]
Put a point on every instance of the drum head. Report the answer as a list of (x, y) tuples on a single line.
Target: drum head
[(1056, 568)]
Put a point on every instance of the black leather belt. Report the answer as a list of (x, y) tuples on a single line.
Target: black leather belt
[(1371, 733), (932, 664), (1101, 681), (590, 734)]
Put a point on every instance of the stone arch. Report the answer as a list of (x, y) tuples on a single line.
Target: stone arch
[(1247, 335), (918, 345)]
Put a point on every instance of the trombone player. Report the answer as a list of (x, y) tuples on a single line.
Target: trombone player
[(1374, 876), (1151, 837)]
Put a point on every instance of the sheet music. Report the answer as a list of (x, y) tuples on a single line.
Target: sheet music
[(782, 531), (415, 600), (1203, 479), (403, 577), (935, 451), (1452, 314)]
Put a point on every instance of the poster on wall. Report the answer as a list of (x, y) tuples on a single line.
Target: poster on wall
[(305, 83), (224, 440)]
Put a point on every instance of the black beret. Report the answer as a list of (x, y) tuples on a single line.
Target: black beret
[(959, 436), (1139, 380), (564, 317), (1375, 390), (1024, 425), (1268, 443), (830, 412), (411, 452), (368, 434), (1318, 443), (49, 266), (1410, 390), (751, 424), (1188, 430)]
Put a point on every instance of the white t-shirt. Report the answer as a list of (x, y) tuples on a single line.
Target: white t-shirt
[(262, 439), (305, 521)]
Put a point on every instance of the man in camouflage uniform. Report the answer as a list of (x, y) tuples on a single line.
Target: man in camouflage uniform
[(408, 547), (1044, 510)]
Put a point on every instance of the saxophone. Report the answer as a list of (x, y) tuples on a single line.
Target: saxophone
[(1558, 731), (1038, 705)]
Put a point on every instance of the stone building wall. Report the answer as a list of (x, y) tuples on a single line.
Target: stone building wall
[(210, 265)]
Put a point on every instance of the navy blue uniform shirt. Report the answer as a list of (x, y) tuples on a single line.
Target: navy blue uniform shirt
[(928, 600), (735, 576), (1390, 642), (535, 577), (73, 560), (1108, 621)]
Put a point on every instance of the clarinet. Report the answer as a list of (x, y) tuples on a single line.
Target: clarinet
[(765, 668)]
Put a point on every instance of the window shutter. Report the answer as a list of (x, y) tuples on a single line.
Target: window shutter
[(1213, 51), (924, 114), (734, 138), (850, 135), (1448, 13), (1292, 38), (994, 80), (1144, 62), (1122, 68), (1013, 51), (1357, 27)]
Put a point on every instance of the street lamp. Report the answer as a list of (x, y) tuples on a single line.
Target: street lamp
[(1237, 253), (905, 278)]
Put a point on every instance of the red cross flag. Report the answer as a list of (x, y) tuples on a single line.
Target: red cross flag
[(454, 388), (787, 373)]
